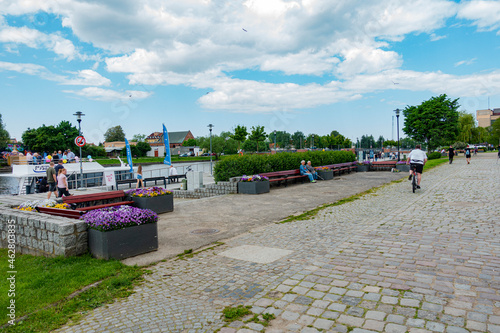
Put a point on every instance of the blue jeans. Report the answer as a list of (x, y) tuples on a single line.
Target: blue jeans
[(311, 177)]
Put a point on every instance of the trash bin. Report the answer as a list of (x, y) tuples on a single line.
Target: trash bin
[(28, 189), (184, 184)]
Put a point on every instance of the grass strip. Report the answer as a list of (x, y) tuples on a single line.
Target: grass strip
[(434, 163), (45, 289)]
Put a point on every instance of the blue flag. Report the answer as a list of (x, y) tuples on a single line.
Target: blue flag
[(129, 156), (167, 160)]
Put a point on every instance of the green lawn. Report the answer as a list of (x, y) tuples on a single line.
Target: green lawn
[(155, 159), (42, 281), (434, 163)]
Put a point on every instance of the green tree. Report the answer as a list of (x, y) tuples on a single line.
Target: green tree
[(367, 141), (298, 139), (50, 138), (142, 148), (190, 143), (4, 135), (240, 134), (114, 134), (494, 130), (250, 145), (390, 143), (434, 122), (94, 151), (380, 141), (467, 127), (138, 138), (258, 135)]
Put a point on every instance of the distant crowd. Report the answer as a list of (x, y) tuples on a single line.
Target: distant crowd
[(66, 156)]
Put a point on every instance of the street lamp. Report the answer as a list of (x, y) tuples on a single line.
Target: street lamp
[(210, 126), (312, 142), (79, 115), (397, 117), (275, 141)]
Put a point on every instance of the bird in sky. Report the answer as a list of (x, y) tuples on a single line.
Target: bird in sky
[(395, 82), (244, 29)]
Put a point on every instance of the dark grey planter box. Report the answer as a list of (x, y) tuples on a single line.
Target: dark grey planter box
[(363, 168), (159, 205), (253, 187), (123, 243), (403, 167), (325, 174)]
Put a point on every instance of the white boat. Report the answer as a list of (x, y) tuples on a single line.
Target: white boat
[(93, 175)]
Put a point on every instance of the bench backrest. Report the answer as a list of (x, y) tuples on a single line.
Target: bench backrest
[(93, 197), (281, 173)]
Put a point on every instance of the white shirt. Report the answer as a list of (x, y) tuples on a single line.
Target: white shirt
[(172, 171), (417, 156)]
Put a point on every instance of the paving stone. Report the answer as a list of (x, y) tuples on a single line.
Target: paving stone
[(372, 297), (454, 329), (376, 315), (394, 328), (374, 325), (410, 302), (290, 316), (303, 300), (330, 315), (323, 324), (306, 320), (389, 300), (415, 322), (475, 325), (350, 320), (337, 307), (452, 320), (338, 291), (435, 327), (395, 319), (355, 311), (475, 316)]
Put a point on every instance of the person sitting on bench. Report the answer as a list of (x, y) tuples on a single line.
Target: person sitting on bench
[(304, 171), (312, 170)]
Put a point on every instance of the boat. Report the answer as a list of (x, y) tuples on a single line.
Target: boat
[(93, 174)]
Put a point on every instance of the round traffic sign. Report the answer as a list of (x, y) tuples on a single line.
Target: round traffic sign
[(80, 141)]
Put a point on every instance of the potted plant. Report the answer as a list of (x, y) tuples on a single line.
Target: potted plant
[(255, 184), (402, 166), (158, 199), (324, 173), (363, 166), (120, 232)]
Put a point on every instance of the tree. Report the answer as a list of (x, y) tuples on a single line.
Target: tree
[(435, 121), (240, 134), (142, 148), (367, 141), (114, 134), (380, 141), (494, 137), (4, 135), (137, 138), (390, 143), (220, 144), (467, 126), (298, 139), (250, 145), (94, 151), (258, 134), (190, 143), (50, 138)]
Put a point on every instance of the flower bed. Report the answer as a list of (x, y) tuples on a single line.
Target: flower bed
[(31, 205), (120, 217), (254, 178), (148, 192), (255, 184), (154, 198)]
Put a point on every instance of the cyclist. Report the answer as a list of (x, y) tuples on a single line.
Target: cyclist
[(418, 158)]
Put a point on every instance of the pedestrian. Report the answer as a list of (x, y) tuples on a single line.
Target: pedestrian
[(468, 154), (51, 180), (451, 153), (59, 166), (55, 157), (29, 157), (475, 150), (139, 177), (62, 183), (71, 156)]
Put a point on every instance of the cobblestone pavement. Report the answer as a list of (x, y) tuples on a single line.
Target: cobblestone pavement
[(392, 261)]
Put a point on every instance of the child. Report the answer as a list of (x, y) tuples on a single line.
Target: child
[(62, 183), (139, 177)]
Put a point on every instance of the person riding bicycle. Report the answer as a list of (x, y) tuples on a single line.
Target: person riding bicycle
[(417, 158)]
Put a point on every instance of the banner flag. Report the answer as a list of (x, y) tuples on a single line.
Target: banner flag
[(167, 159), (129, 156)]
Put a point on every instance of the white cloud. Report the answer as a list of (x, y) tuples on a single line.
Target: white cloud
[(108, 95), (434, 37), (485, 14), (36, 39), (87, 77), (465, 62)]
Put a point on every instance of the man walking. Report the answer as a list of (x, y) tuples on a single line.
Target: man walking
[(51, 180), (451, 153)]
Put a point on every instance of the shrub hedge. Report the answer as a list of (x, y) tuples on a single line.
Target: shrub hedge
[(434, 156), (234, 166)]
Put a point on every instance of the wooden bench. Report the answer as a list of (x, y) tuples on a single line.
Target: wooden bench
[(342, 167), (92, 201), (70, 213), (383, 165), (156, 179), (284, 176), (175, 178)]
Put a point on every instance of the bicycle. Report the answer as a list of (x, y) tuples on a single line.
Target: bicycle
[(414, 178)]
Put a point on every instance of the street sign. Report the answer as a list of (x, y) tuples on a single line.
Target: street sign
[(80, 141)]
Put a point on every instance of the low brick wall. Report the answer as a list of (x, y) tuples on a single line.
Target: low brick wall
[(210, 190), (42, 234)]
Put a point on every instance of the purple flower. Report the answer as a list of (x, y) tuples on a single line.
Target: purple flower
[(119, 217), (148, 192), (254, 178)]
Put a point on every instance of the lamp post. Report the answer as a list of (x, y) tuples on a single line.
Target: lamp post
[(210, 126), (397, 117), (79, 115), (312, 142), (275, 141), (357, 142)]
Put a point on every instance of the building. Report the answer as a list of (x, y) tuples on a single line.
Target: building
[(113, 148), (486, 117), (175, 139)]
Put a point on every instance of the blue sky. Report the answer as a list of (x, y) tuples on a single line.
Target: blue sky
[(308, 65)]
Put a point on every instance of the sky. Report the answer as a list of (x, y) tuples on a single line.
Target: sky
[(308, 65)]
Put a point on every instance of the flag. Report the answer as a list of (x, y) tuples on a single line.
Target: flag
[(129, 156), (167, 159)]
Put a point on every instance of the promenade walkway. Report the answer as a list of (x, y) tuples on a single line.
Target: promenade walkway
[(392, 261)]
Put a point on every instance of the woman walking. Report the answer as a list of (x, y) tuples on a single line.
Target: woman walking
[(62, 184), (139, 177)]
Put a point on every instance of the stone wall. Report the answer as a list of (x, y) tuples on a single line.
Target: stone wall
[(210, 190), (42, 234)]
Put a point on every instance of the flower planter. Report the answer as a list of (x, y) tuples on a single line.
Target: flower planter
[(325, 174), (253, 187), (160, 204), (403, 167), (363, 168), (123, 243)]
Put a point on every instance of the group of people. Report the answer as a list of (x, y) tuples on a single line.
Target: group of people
[(67, 156), (57, 181), (308, 170), (467, 151)]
